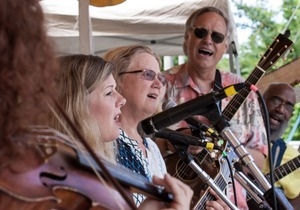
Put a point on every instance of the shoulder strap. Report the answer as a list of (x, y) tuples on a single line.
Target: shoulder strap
[(218, 80), (218, 86), (278, 149)]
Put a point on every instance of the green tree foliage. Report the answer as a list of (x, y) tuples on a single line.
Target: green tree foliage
[(265, 23)]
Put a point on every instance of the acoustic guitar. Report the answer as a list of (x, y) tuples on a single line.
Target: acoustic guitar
[(215, 167)]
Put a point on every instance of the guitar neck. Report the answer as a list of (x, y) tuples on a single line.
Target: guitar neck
[(207, 196), (239, 98), (279, 172), (279, 46), (285, 169), (221, 180)]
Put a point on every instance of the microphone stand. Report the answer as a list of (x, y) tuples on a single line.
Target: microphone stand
[(222, 127), (244, 181), (188, 159), (246, 158)]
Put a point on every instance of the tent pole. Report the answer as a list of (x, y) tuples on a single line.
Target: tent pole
[(85, 31)]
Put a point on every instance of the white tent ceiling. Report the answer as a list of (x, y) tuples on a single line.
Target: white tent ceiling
[(156, 23)]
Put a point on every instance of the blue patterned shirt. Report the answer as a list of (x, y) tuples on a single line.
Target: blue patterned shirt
[(130, 156)]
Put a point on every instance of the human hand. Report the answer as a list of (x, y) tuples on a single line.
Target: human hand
[(182, 195), (218, 204)]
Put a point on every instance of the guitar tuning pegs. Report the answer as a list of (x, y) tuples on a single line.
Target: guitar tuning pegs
[(287, 33), (262, 57), (284, 58)]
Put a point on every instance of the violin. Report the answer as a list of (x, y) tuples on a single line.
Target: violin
[(49, 173)]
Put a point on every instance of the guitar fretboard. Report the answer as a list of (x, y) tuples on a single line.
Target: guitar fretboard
[(285, 169), (221, 182), (279, 46), (238, 99)]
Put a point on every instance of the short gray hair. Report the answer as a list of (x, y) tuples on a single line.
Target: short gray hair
[(191, 21)]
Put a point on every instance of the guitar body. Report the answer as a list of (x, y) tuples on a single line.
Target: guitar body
[(217, 169), (177, 168)]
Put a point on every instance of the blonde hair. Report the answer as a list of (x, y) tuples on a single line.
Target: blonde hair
[(80, 75)]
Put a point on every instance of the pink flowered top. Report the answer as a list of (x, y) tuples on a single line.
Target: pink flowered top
[(247, 124)]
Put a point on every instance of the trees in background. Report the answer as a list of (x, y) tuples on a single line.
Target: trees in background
[(264, 22)]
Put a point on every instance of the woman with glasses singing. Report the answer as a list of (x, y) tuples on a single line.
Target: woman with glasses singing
[(138, 77), (139, 80), (205, 41)]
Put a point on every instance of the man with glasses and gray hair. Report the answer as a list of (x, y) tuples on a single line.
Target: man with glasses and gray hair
[(205, 42), (280, 100)]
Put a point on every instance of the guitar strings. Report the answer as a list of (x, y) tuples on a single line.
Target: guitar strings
[(184, 167), (207, 196), (252, 79)]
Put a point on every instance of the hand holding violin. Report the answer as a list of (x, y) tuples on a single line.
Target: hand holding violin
[(182, 195)]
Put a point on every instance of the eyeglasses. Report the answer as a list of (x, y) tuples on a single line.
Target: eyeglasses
[(277, 102), (148, 74), (215, 36)]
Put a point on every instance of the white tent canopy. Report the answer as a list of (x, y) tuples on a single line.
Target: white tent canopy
[(156, 23)]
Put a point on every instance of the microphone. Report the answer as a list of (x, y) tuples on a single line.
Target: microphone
[(199, 105), (192, 121), (179, 138)]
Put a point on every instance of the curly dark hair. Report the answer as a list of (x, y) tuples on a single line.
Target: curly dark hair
[(27, 67)]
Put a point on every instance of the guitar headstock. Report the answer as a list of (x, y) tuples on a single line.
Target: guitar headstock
[(280, 45)]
